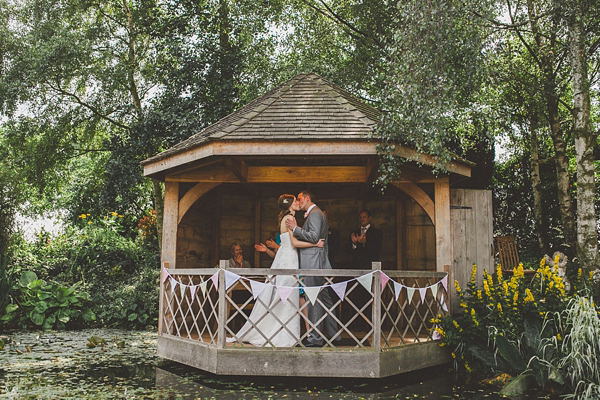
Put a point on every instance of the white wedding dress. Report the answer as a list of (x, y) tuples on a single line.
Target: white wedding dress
[(274, 320)]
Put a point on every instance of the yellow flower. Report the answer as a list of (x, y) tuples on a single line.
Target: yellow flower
[(83, 216), (500, 308), (120, 215), (89, 222), (558, 336), (114, 214)]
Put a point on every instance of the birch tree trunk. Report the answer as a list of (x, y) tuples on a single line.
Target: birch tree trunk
[(540, 222), (587, 234)]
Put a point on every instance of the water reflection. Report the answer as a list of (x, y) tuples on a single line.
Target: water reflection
[(432, 383)]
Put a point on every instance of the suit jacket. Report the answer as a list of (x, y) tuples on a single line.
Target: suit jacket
[(315, 228), (363, 255)]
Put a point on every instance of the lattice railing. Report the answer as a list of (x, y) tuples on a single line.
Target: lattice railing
[(196, 305)]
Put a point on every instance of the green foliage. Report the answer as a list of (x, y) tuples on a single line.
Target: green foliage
[(120, 273), (46, 306)]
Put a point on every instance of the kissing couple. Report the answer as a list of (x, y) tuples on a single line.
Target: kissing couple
[(273, 322)]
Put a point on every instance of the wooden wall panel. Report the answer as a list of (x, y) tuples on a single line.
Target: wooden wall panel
[(196, 234), (419, 233)]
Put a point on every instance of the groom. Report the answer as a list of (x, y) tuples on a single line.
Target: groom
[(315, 228)]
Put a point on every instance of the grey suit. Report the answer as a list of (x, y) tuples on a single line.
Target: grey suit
[(315, 228)]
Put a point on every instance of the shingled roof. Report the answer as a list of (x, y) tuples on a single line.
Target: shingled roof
[(307, 107)]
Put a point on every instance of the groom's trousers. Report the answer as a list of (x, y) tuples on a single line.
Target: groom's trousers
[(315, 312)]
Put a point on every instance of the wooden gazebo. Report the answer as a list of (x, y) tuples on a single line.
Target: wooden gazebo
[(221, 186)]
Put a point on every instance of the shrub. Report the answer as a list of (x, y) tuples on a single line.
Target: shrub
[(46, 305)]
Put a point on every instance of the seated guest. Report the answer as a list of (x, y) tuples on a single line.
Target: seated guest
[(237, 259), (365, 243)]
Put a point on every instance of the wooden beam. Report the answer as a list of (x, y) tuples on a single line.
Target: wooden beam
[(266, 174), (419, 196), (443, 231), (292, 148), (192, 195), (239, 169), (400, 229)]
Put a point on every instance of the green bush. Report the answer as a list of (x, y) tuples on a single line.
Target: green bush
[(47, 306), (119, 273)]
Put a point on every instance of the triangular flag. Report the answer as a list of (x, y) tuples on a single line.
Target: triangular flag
[(165, 274), (443, 302), (215, 280), (423, 293), (366, 281), (173, 284), (384, 280), (284, 292), (445, 283), (434, 290), (257, 287), (312, 292), (340, 289), (203, 288), (397, 289), (230, 279), (410, 292), (182, 288), (193, 290)]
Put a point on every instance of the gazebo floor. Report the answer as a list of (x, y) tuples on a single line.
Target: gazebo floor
[(339, 361)]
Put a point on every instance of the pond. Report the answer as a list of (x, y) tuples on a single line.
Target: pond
[(111, 363)]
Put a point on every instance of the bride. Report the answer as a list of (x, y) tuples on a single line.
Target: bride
[(272, 322)]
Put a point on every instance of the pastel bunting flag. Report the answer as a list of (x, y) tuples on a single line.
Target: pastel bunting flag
[(423, 293), (284, 292), (173, 284), (203, 288), (165, 275), (193, 290), (443, 303), (366, 281), (434, 289), (445, 283), (215, 279), (182, 289), (384, 280), (410, 292), (257, 287), (397, 289), (312, 292), (340, 289), (230, 279)]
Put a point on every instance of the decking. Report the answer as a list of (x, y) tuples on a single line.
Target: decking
[(382, 332)]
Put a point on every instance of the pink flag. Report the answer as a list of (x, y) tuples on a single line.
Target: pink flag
[(165, 274), (340, 289), (423, 293), (284, 292), (384, 279)]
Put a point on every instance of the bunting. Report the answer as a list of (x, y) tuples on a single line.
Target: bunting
[(340, 289), (284, 292), (312, 292)]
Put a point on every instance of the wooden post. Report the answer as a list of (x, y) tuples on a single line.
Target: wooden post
[(222, 315), (400, 227), (377, 311), (161, 307), (217, 232), (257, 207), (443, 231), (170, 218)]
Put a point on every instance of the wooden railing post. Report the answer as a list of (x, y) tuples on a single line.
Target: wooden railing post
[(377, 311), (161, 299), (222, 315)]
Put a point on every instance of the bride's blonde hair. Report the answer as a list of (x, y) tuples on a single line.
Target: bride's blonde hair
[(284, 203)]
